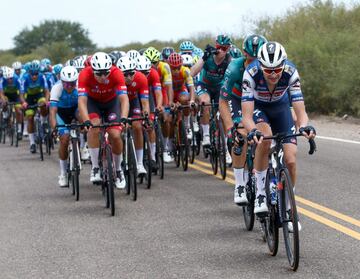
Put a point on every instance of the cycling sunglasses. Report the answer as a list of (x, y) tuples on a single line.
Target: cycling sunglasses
[(146, 72), (69, 84), (102, 73), (34, 73), (129, 73), (269, 71), (223, 48)]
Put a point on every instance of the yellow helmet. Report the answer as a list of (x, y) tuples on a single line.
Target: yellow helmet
[(153, 54)]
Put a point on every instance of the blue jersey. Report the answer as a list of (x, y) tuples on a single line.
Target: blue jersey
[(33, 87), (10, 88), (50, 79), (60, 98), (254, 86)]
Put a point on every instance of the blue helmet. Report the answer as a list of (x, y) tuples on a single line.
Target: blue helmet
[(26, 66), (235, 52), (57, 69), (34, 66), (45, 61), (198, 52), (187, 46)]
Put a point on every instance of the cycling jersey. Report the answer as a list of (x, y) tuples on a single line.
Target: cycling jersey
[(165, 79), (137, 90), (273, 107), (181, 79), (31, 87), (154, 84), (231, 87), (255, 88), (101, 92), (212, 75), (50, 79), (60, 98), (10, 88)]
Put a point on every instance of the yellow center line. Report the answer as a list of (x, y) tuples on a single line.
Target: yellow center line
[(307, 202), (301, 210), (329, 223)]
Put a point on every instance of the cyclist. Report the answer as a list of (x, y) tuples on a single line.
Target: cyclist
[(183, 86), (230, 108), (269, 84), (155, 98), (36, 90), (165, 53), (166, 85), (138, 92), (57, 70), (103, 94), (45, 68), (63, 110), (187, 47), (9, 92), (212, 68), (187, 60), (19, 71)]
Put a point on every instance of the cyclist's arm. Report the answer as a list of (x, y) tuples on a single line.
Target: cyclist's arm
[(225, 113), (247, 101), (197, 67), (82, 106), (159, 98), (52, 116), (144, 95), (170, 92), (301, 115), (124, 105)]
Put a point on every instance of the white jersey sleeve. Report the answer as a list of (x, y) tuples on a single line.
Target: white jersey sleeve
[(248, 88), (56, 92)]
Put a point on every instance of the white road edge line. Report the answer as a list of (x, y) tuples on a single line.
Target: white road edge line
[(337, 139)]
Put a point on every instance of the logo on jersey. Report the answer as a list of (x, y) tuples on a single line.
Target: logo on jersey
[(112, 116), (253, 71), (133, 84), (245, 85)]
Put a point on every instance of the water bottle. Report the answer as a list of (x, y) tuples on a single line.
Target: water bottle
[(273, 191)]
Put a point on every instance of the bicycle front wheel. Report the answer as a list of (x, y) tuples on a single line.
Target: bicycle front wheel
[(110, 179), (147, 160), (290, 220), (222, 146), (184, 147), (160, 152), (132, 170), (76, 171)]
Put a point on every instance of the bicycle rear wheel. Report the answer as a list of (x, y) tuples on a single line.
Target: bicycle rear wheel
[(289, 217), (222, 146), (76, 169), (213, 150), (159, 152), (40, 139), (248, 210), (184, 147), (147, 160), (110, 174), (132, 170)]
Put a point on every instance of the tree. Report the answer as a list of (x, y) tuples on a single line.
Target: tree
[(51, 31)]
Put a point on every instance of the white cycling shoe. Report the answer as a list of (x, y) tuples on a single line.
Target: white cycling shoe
[(62, 181)]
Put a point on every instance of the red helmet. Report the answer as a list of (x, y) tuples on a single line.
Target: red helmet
[(175, 60), (87, 61)]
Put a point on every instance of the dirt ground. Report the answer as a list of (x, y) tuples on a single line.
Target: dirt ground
[(344, 128)]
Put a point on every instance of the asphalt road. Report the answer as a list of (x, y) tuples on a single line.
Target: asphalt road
[(186, 226)]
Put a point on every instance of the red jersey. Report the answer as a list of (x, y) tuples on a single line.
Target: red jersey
[(154, 80), (101, 92), (139, 87)]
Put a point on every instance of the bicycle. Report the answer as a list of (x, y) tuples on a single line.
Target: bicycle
[(281, 202), (218, 145), (106, 164), (181, 142), (159, 157), (147, 154), (130, 161), (8, 124), (74, 161)]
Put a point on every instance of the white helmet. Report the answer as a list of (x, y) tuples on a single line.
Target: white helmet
[(143, 63), (126, 64), (133, 54), (122, 53), (187, 60), (17, 65), (69, 74), (271, 55), (8, 72), (100, 61)]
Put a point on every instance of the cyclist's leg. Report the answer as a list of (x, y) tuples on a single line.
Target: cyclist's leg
[(204, 97), (184, 98), (261, 161), (94, 110), (63, 150), (29, 114)]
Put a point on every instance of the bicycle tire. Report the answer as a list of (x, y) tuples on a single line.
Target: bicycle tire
[(76, 170), (132, 170), (110, 178), (177, 146), (271, 223), (184, 147), (159, 152), (248, 210), (213, 151), (40, 139), (192, 152), (147, 160), (292, 244), (222, 146)]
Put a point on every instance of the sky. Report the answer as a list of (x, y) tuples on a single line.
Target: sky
[(116, 22)]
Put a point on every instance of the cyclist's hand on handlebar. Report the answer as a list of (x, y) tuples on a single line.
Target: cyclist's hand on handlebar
[(255, 136), (308, 132), (25, 105), (54, 133), (87, 125)]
